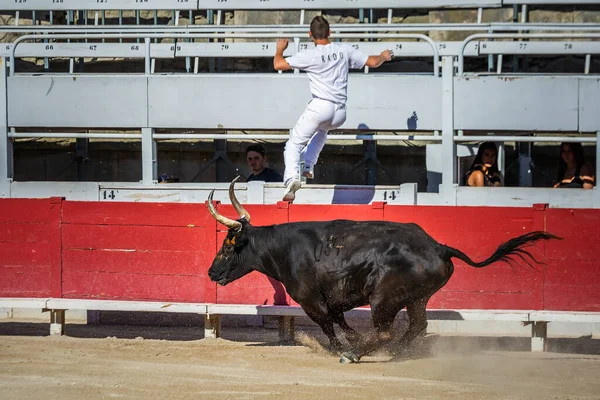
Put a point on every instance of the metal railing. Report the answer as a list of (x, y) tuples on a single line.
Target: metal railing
[(491, 27), (331, 136), (240, 4), (149, 36), (524, 45)]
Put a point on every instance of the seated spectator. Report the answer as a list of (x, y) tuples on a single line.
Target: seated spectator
[(573, 171), (167, 178), (484, 170), (255, 155)]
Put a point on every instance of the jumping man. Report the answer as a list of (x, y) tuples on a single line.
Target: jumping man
[(327, 68)]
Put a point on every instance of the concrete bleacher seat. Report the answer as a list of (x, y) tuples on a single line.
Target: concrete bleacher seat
[(69, 5), (169, 93), (240, 4), (26, 92), (210, 6)]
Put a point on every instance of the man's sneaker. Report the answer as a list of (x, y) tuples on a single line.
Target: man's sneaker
[(290, 191), (308, 172)]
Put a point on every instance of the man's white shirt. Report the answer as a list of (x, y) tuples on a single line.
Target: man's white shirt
[(327, 69)]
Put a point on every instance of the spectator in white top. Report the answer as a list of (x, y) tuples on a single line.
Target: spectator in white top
[(327, 68)]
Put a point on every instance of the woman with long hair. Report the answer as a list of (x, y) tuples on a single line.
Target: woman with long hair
[(573, 171), (484, 170)]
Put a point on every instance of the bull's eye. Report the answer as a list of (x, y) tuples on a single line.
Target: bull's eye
[(230, 242)]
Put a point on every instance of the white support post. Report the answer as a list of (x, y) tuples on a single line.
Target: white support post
[(6, 155), (502, 160), (597, 158), (149, 164), (57, 322), (499, 68), (256, 192), (588, 62), (448, 145), (408, 193), (490, 56), (297, 41), (296, 50), (539, 331), (212, 326), (147, 66)]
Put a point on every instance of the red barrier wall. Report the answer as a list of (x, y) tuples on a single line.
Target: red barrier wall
[(137, 251), (572, 279), (478, 231), (162, 251), (30, 248)]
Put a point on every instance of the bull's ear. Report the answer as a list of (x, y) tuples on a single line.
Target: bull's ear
[(233, 240)]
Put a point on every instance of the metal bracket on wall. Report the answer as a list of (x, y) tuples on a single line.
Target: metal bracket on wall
[(371, 162), (219, 158)]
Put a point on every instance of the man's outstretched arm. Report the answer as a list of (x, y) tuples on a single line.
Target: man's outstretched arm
[(376, 61), (279, 62)]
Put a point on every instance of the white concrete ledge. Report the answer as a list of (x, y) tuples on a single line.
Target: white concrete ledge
[(251, 309), (125, 305), (565, 316), (478, 315), (17, 302), (286, 314)]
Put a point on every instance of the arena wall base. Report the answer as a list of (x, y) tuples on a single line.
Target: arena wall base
[(286, 315)]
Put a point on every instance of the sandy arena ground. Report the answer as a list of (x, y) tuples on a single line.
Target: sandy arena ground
[(137, 362)]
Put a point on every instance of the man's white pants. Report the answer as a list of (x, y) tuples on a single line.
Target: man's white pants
[(308, 136)]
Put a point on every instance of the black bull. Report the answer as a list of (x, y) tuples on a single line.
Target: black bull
[(334, 266)]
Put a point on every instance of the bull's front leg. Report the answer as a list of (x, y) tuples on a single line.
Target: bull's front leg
[(380, 337), (353, 337), (383, 320), (326, 324)]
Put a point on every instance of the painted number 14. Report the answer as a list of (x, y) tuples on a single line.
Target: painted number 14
[(390, 195)]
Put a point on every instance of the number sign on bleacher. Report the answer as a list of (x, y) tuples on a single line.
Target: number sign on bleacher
[(62, 5), (59, 5)]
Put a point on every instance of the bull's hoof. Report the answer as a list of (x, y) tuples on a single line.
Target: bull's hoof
[(349, 357)]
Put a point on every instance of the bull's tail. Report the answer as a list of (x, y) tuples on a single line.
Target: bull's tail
[(504, 252)]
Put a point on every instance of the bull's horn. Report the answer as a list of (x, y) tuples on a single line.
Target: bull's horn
[(236, 204), (231, 224)]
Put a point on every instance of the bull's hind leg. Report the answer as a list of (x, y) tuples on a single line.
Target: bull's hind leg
[(383, 320), (417, 321)]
